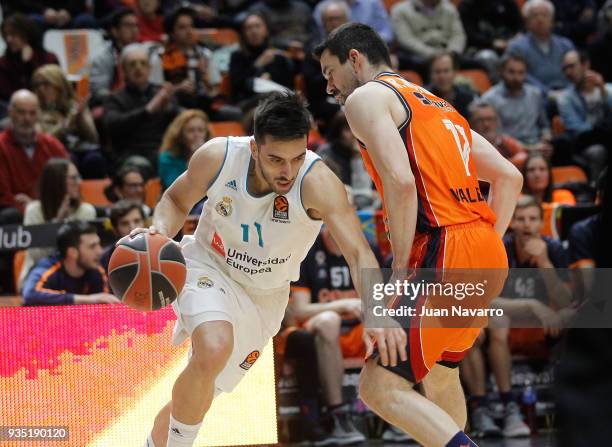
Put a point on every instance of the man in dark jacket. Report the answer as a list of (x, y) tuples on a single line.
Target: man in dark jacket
[(74, 276)]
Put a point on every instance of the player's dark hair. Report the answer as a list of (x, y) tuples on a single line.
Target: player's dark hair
[(547, 197), (355, 36), (122, 208), (282, 116), (69, 235)]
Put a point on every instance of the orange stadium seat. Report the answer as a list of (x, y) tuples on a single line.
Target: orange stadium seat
[(478, 77), (565, 174), (220, 36), (92, 191), (227, 128), (412, 76), (18, 261), (152, 192)]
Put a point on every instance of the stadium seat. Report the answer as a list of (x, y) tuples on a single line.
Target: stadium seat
[(74, 49), (227, 128), (412, 76), (18, 261), (92, 191), (219, 36), (566, 174), (478, 77), (152, 192)]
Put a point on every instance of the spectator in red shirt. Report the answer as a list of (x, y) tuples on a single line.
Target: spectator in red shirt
[(23, 153), (150, 20), (23, 55)]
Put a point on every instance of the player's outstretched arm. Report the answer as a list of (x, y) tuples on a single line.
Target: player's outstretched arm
[(506, 181), (369, 116), (190, 187), (325, 198)]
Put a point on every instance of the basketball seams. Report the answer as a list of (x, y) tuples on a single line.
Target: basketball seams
[(121, 266), (159, 263), (149, 276)]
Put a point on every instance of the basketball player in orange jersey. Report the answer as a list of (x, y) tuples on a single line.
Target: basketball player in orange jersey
[(425, 162)]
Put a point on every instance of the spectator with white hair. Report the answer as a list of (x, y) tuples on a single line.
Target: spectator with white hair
[(542, 49), (333, 13), (138, 114), (370, 12)]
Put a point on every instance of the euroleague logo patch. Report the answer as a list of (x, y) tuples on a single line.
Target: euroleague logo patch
[(281, 208), (249, 360)]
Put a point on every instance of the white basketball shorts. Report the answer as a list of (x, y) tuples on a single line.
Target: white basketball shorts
[(211, 295)]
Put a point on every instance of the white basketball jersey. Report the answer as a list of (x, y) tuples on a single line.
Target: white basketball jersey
[(258, 241)]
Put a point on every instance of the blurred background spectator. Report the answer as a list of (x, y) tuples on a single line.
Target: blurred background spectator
[(23, 55), (55, 13), (442, 71), (540, 47), (24, 151), (601, 47), (69, 119), (74, 275), (520, 106), (59, 200), (128, 183), (424, 28), (189, 131), (290, 21), (150, 20), (322, 106), (257, 60), (483, 119), (586, 111), (106, 74), (137, 115), (538, 182), (125, 216), (370, 12), (341, 154)]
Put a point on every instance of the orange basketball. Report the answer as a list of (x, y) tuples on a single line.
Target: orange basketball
[(147, 272)]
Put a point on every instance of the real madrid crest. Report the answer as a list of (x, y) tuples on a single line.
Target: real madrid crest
[(204, 282), (224, 206)]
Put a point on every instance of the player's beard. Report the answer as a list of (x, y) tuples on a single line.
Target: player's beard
[(352, 84), (270, 180)]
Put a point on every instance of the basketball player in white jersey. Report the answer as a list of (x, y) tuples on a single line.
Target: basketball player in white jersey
[(267, 199)]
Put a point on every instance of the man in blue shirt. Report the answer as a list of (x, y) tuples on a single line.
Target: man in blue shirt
[(74, 276), (585, 108), (541, 48)]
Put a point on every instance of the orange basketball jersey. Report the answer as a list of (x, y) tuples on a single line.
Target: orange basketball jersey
[(438, 142)]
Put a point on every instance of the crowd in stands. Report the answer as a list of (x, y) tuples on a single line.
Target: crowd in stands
[(533, 77)]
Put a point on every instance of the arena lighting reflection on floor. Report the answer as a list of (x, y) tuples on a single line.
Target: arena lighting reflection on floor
[(104, 372)]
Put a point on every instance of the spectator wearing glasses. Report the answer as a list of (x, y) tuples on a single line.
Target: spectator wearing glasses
[(60, 200), (128, 184)]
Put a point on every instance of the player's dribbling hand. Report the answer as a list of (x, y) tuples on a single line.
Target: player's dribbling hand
[(137, 231), (390, 342)]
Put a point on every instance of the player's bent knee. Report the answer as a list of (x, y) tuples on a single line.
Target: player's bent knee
[(212, 346)]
